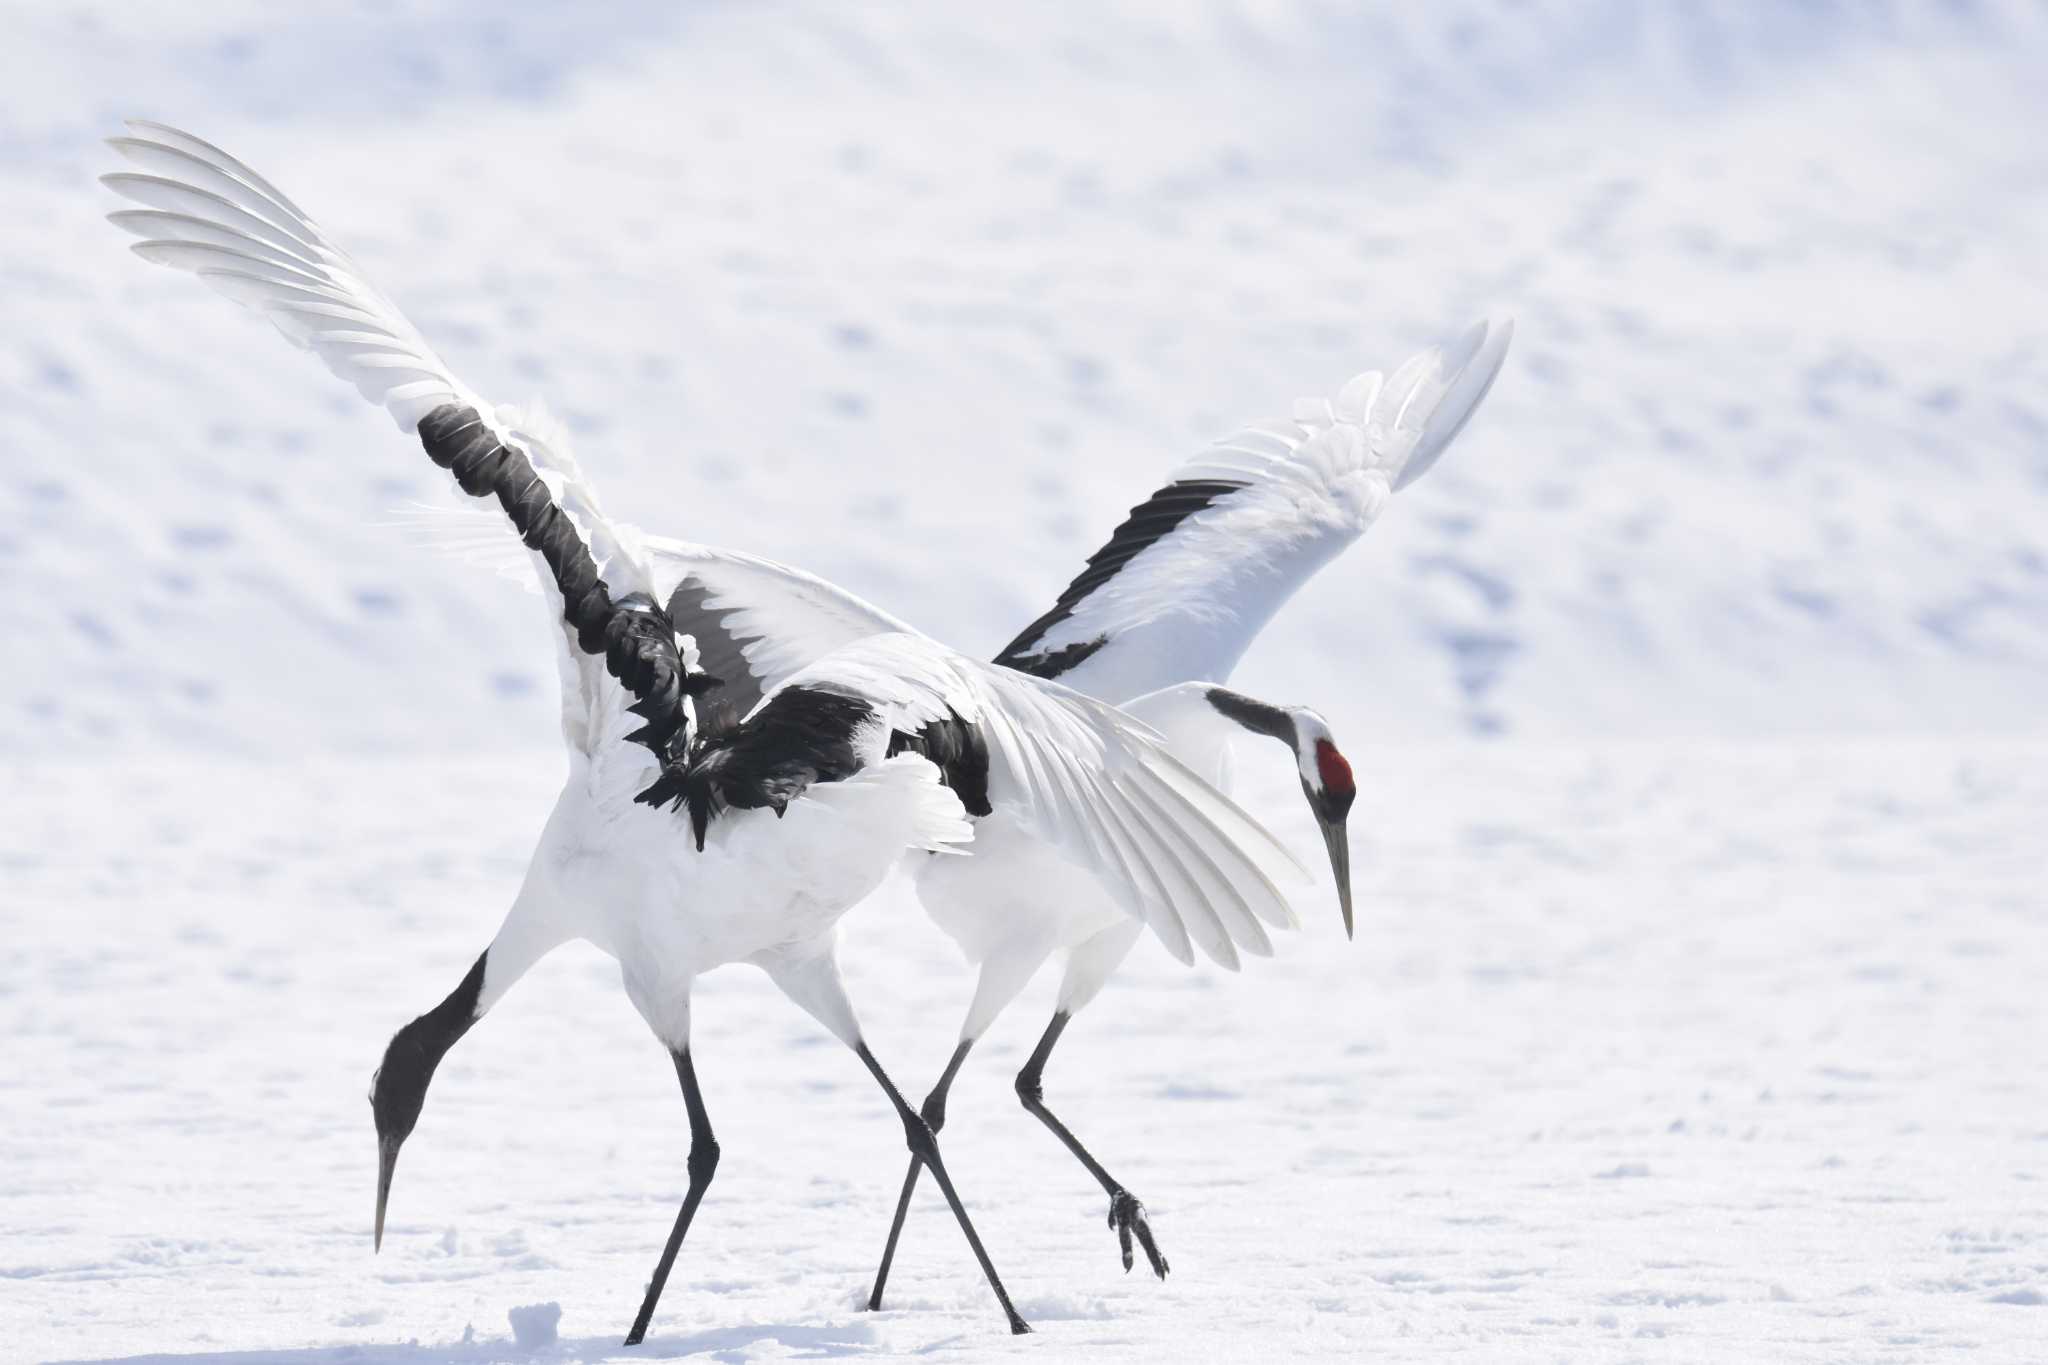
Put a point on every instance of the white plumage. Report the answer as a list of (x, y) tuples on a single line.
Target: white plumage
[(1167, 626), (1189, 604), (854, 737), (1162, 614)]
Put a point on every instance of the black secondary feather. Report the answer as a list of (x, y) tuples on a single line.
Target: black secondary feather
[(800, 736), (1148, 523), (1055, 662), (721, 650), (633, 634), (960, 752)]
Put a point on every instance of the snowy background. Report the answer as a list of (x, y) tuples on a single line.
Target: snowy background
[(1698, 695)]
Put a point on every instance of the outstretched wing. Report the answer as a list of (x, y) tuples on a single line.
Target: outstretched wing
[(1195, 572), (209, 214), (1084, 778)]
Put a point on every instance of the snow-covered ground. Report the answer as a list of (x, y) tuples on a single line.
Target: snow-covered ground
[(1698, 695), (1644, 1052)]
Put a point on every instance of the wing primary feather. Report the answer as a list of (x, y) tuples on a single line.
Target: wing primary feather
[(173, 163), (1147, 890), (1198, 906), (1118, 859), (1243, 927), (172, 196), (200, 147), (1272, 905), (202, 256), (1185, 899), (1214, 806), (159, 225), (1084, 797)]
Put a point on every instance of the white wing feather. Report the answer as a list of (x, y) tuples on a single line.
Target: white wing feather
[(1094, 783), (207, 213), (783, 617), (1400, 425), (1188, 605), (210, 215)]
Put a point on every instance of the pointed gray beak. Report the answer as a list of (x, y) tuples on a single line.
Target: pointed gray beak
[(387, 1162), (1339, 844)]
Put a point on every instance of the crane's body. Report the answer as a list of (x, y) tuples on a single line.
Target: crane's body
[(637, 889)]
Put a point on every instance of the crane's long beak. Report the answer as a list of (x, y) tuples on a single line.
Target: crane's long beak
[(387, 1162), (1339, 843)]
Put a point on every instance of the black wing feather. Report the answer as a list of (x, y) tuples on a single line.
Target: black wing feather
[(1148, 523), (632, 633), (801, 736)]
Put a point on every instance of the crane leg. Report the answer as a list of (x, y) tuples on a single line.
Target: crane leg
[(933, 1111), (702, 1163), (924, 1150), (1126, 1214)]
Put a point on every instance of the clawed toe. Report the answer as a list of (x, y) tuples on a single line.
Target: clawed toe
[(1127, 1216)]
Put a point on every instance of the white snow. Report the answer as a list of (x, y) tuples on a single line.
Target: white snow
[(533, 1325), (1693, 1051), (1696, 696)]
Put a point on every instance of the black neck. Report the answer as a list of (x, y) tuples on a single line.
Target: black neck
[(401, 1085), (450, 1019), (1254, 715)]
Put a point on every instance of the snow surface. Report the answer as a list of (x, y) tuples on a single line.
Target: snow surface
[(1644, 1052), (1697, 696), (533, 1325)]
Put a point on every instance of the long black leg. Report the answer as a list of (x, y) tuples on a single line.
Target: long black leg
[(934, 1112), (703, 1162), (1126, 1214), (925, 1148)]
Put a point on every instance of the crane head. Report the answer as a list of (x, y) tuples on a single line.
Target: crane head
[(1327, 783), (1325, 772)]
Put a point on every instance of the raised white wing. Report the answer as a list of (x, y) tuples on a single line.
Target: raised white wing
[(1190, 578), (209, 214), (1095, 784)]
